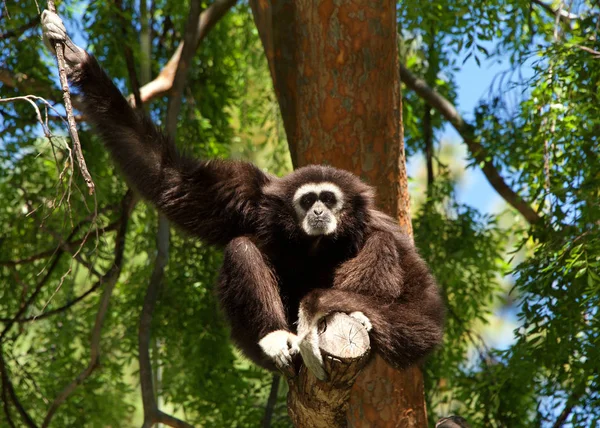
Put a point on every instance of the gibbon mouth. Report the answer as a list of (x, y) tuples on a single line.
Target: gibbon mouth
[(319, 224)]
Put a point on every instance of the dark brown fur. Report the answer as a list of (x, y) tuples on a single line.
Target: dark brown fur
[(271, 266)]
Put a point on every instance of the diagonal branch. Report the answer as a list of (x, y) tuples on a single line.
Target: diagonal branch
[(564, 15), (571, 403), (109, 279), (163, 83), (466, 131)]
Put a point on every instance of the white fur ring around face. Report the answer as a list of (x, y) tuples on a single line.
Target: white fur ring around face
[(280, 346)]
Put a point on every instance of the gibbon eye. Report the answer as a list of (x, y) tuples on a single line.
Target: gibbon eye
[(328, 198), (307, 200)]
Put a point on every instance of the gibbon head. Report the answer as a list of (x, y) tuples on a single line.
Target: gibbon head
[(321, 201)]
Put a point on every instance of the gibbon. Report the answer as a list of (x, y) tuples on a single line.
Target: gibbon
[(297, 248)]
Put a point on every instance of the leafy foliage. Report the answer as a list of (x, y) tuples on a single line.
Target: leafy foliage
[(539, 123)]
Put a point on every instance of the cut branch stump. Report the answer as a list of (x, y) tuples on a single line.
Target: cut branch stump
[(345, 348)]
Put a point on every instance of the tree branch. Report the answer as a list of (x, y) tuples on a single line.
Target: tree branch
[(271, 401), (478, 152), (345, 347), (110, 279), (58, 252), (33, 295), (64, 307), (129, 59), (569, 406), (5, 381), (59, 47), (163, 83), (565, 16), (7, 386)]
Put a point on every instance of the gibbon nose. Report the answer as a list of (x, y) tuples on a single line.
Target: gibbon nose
[(318, 211)]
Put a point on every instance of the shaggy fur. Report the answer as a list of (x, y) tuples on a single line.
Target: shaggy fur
[(271, 265)]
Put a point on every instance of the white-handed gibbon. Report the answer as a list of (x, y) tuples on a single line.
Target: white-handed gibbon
[(297, 248)]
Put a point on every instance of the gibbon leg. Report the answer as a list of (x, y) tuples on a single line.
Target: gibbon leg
[(249, 295), (402, 331)]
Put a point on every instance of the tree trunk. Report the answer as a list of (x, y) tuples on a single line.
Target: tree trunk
[(335, 71)]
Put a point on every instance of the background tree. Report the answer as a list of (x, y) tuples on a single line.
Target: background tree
[(534, 136)]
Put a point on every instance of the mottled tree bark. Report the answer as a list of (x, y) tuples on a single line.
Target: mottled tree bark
[(335, 70)]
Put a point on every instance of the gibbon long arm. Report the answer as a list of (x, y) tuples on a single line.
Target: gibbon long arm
[(249, 296), (214, 200)]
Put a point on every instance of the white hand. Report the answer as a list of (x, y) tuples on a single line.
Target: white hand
[(53, 30), (280, 346)]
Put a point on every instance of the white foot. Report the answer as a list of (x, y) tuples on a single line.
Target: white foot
[(362, 318), (280, 346), (311, 353), (308, 336)]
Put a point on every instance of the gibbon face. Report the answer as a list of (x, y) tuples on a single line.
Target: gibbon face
[(319, 201), (317, 206)]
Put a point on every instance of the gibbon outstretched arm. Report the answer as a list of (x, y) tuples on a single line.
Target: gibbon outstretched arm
[(214, 200), (249, 296)]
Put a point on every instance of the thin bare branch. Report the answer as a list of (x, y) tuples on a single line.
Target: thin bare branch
[(478, 152), (589, 50), (62, 72)]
